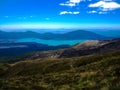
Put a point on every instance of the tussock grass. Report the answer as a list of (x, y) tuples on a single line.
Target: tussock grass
[(94, 72)]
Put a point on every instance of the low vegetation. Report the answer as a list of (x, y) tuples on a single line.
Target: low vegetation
[(93, 72)]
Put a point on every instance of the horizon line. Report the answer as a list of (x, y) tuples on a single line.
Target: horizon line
[(59, 26)]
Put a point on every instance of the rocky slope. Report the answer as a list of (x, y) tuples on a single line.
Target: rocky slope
[(81, 49)]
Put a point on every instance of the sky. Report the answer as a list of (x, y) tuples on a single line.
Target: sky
[(55, 14)]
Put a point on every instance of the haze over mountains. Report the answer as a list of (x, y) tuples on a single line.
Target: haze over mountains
[(73, 35)]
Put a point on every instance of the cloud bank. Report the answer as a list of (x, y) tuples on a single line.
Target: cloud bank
[(105, 5), (98, 7)]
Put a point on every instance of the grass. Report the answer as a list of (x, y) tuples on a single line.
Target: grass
[(94, 72)]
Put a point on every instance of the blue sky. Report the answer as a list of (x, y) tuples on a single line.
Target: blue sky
[(16, 14)]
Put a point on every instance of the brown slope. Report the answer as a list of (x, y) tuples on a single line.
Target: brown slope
[(92, 47), (81, 49)]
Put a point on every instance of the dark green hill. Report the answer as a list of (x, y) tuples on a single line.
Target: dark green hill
[(83, 34), (94, 72), (14, 48)]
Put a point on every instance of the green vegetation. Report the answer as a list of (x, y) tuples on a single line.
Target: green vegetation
[(93, 72)]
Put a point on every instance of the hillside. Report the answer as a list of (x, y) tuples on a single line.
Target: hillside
[(36, 51), (94, 72), (73, 35), (86, 48), (10, 48), (92, 47)]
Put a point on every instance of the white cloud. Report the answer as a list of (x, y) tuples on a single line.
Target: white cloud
[(64, 12), (97, 12), (93, 11), (105, 5), (69, 12), (76, 12), (107, 0), (102, 12), (71, 3)]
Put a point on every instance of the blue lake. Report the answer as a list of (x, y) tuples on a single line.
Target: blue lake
[(51, 42)]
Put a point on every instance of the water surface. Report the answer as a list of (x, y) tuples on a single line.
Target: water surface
[(51, 42)]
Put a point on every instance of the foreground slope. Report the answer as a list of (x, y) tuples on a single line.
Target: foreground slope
[(94, 72)]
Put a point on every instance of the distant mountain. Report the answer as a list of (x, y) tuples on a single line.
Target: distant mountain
[(81, 49), (82, 34), (73, 35), (109, 33), (18, 35)]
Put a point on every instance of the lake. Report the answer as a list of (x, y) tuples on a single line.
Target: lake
[(51, 42)]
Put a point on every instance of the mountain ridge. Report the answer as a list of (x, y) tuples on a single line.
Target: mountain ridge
[(73, 35)]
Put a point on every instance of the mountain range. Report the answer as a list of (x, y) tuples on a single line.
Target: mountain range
[(73, 35)]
